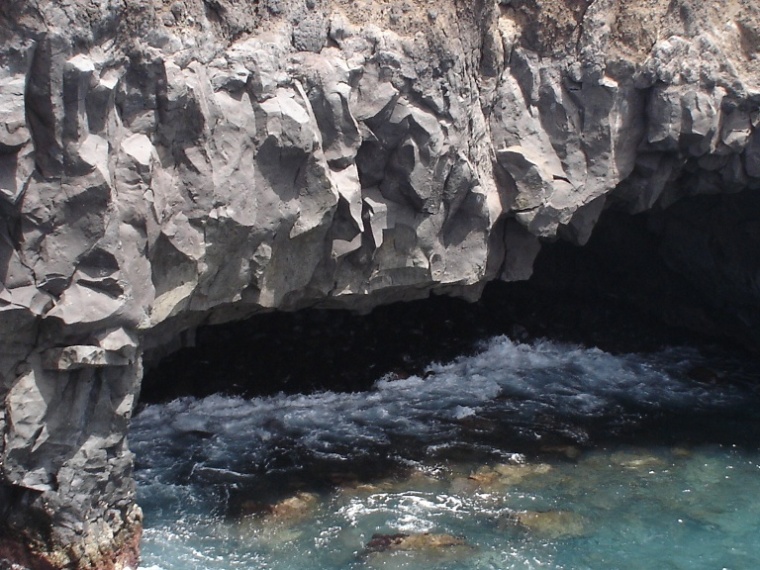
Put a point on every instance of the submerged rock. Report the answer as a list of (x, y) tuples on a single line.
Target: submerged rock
[(420, 478), (568, 451), (681, 452), (550, 525), (390, 551), (291, 510), (637, 461), (419, 542), (507, 474), (272, 525)]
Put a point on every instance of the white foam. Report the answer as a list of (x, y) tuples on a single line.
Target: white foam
[(507, 381)]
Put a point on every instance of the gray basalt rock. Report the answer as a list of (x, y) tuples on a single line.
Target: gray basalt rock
[(163, 165)]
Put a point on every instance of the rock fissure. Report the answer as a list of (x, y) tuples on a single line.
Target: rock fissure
[(167, 166)]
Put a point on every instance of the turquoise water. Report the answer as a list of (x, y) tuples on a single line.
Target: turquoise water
[(540, 455)]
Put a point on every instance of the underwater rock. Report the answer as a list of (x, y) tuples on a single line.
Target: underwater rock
[(637, 461), (549, 525), (568, 451), (418, 478), (402, 550), (681, 452), (507, 475), (419, 542), (290, 510)]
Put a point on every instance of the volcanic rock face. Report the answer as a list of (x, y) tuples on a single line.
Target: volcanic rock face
[(167, 164)]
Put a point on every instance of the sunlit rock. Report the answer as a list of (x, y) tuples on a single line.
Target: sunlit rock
[(288, 511), (507, 475)]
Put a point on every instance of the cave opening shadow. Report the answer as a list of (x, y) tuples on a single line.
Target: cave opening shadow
[(641, 283)]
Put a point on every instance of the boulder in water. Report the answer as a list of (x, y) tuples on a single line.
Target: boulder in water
[(290, 510), (507, 474)]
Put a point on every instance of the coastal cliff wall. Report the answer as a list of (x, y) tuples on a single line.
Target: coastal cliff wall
[(170, 164)]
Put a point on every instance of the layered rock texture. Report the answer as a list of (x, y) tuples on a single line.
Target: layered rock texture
[(164, 165)]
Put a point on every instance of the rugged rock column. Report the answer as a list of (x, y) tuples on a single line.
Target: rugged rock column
[(67, 497)]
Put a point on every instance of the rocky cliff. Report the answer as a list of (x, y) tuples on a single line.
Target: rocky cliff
[(166, 164)]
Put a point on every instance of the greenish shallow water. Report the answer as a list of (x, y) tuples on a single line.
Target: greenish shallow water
[(524, 456)]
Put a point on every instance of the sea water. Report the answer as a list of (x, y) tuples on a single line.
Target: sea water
[(539, 455)]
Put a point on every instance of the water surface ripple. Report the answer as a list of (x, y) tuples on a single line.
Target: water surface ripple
[(541, 455)]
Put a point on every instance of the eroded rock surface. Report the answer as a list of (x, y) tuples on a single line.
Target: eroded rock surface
[(167, 164)]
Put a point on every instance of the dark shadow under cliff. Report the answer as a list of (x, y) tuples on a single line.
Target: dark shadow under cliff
[(688, 274), (695, 266)]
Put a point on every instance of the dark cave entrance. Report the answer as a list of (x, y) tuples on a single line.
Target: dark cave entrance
[(687, 274)]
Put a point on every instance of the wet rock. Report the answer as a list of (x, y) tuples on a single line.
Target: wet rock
[(364, 489), (507, 475), (549, 525), (402, 550), (420, 542), (288, 511), (500, 478), (568, 451), (419, 478), (681, 452), (637, 461)]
